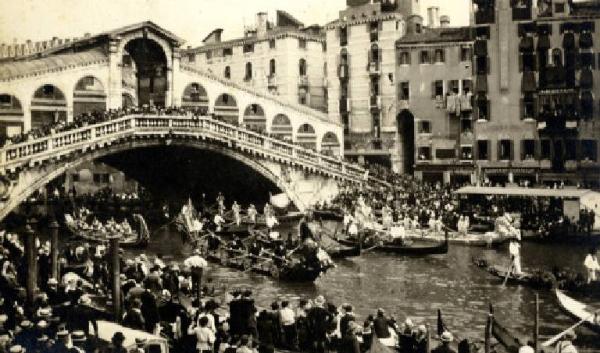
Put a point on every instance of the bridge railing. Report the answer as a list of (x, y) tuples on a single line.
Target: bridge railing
[(61, 143)]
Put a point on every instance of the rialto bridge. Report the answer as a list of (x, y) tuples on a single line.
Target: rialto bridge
[(296, 147)]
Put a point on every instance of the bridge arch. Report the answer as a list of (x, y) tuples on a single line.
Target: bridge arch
[(281, 127), (195, 96), (254, 118), (226, 108), (12, 114), (89, 94), (40, 175), (306, 136), (48, 105), (330, 144)]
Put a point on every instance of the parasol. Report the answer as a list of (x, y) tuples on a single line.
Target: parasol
[(195, 261)]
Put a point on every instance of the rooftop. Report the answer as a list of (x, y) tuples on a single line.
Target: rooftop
[(437, 35)]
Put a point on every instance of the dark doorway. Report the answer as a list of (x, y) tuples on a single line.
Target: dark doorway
[(406, 130), (145, 71), (558, 160)]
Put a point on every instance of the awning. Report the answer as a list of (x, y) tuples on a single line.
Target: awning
[(14, 69), (518, 191)]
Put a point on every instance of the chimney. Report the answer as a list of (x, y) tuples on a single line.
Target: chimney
[(444, 21), (433, 14), (261, 24), (87, 35)]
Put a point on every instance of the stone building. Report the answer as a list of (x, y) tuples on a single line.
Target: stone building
[(536, 91), (285, 58), (360, 71), (434, 92)]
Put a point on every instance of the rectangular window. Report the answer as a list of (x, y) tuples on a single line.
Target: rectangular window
[(505, 150), (589, 150), (424, 57), (248, 48), (343, 36), (424, 127), (440, 55), (75, 177), (272, 44), (559, 8), (227, 51), (466, 153), (482, 65), (528, 106), (483, 108), (571, 150), (453, 86), (467, 86), (466, 126), (528, 150), (209, 55), (302, 43), (424, 153), (465, 54), (438, 89), (483, 151), (191, 57), (404, 93), (545, 149), (445, 153), (404, 58)]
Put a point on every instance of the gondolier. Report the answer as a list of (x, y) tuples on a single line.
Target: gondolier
[(252, 213), (236, 213), (218, 221), (591, 265), (514, 249)]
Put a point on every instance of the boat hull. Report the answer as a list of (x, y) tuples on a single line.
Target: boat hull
[(403, 250), (578, 310)]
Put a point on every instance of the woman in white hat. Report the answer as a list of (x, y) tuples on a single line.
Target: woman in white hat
[(446, 338)]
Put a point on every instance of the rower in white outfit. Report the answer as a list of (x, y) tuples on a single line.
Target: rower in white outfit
[(591, 265), (218, 221), (514, 249)]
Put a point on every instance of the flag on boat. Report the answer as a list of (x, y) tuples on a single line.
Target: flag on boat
[(280, 200)]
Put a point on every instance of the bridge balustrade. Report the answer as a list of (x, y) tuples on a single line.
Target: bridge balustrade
[(65, 142)]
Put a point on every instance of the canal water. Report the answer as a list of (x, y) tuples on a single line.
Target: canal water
[(416, 287)]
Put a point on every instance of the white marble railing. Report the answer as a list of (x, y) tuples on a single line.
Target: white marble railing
[(22, 154)]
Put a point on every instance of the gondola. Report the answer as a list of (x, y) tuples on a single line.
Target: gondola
[(134, 240), (579, 311), (474, 239), (544, 279), (511, 342), (289, 271), (328, 215), (403, 249)]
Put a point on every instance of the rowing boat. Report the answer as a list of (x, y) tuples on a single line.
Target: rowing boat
[(505, 337), (474, 239), (579, 311), (132, 240), (328, 215), (400, 249)]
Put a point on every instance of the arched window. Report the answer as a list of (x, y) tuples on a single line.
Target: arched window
[(302, 67), (557, 57), (227, 72), (374, 53), (272, 67), (248, 75)]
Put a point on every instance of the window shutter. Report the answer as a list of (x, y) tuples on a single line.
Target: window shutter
[(498, 150), (521, 108), (433, 90), (432, 56), (409, 57), (537, 149), (511, 145), (488, 145), (379, 55), (520, 62), (488, 65), (489, 111), (380, 25)]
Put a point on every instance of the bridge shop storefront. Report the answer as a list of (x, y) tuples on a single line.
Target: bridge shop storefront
[(503, 176), (446, 174)]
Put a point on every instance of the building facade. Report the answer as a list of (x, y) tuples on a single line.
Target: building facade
[(434, 102), (536, 91), (284, 59), (360, 69)]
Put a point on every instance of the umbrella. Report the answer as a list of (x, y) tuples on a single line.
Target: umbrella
[(195, 261), (70, 276)]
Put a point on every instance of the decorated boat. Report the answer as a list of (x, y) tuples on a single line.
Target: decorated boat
[(590, 316), (97, 232)]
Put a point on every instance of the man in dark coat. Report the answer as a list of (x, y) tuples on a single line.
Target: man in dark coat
[(381, 325), (149, 310), (319, 320), (80, 316), (346, 319), (247, 314), (235, 319), (133, 317), (266, 331)]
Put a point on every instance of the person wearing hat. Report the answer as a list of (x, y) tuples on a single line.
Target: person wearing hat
[(347, 317), (349, 342), (205, 337), (565, 345), (79, 339), (63, 341), (446, 338), (319, 320), (25, 337), (116, 345), (514, 249), (381, 325), (16, 349), (527, 347), (81, 315), (140, 344), (591, 265), (133, 318)]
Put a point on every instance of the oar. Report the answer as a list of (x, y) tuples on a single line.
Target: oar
[(508, 273), (371, 248), (560, 335)]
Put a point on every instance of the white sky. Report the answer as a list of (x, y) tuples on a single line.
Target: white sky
[(191, 20)]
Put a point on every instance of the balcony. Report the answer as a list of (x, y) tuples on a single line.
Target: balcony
[(343, 72), (345, 106), (272, 81), (374, 68), (303, 81), (375, 103)]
